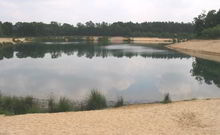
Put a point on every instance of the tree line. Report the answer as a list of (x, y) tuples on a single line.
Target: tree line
[(207, 25), (130, 29)]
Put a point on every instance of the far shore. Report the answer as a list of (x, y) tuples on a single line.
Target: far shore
[(12, 40), (118, 39), (206, 49), (195, 117)]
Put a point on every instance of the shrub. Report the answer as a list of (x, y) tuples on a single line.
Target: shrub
[(7, 104), (120, 102), (96, 101), (51, 105), (64, 105), (31, 105), (18, 105), (211, 32), (166, 99)]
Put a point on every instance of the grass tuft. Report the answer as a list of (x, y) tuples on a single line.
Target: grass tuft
[(96, 101), (167, 99), (64, 105)]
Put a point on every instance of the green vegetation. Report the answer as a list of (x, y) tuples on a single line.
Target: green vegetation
[(211, 32), (166, 99), (18, 105), (64, 105), (96, 101), (208, 25), (204, 26), (127, 29), (51, 105), (22, 105)]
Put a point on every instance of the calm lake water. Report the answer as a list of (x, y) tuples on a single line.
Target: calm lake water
[(139, 73)]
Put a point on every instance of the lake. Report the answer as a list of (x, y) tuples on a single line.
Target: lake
[(138, 73)]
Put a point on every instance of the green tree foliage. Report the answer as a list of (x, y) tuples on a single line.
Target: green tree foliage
[(151, 29), (206, 24), (7, 29), (1, 31), (211, 32)]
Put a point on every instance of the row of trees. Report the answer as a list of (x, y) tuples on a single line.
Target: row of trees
[(152, 29), (207, 25)]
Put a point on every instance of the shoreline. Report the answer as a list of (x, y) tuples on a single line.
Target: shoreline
[(181, 117), (10, 40), (95, 39), (205, 49)]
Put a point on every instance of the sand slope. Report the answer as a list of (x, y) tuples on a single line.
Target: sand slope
[(206, 49), (10, 40), (201, 117)]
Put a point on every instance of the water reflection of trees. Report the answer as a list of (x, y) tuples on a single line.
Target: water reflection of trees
[(207, 71), (87, 50)]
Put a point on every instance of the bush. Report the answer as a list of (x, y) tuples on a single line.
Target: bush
[(7, 104), (96, 101), (166, 99), (120, 102), (211, 32), (18, 105), (51, 105), (64, 105)]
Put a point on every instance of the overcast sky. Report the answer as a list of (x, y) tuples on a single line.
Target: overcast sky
[(73, 11)]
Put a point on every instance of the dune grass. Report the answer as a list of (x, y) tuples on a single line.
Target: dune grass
[(96, 101), (167, 99), (18, 105), (11, 105)]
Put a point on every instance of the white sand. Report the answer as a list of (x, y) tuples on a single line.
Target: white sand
[(140, 40), (10, 40), (6, 40), (206, 49), (201, 117)]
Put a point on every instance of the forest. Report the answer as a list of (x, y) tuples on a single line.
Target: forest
[(207, 25), (126, 29)]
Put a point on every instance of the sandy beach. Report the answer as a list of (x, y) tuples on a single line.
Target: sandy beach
[(197, 117), (138, 40), (7, 40), (116, 40), (141, 40), (10, 40), (151, 40), (206, 49)]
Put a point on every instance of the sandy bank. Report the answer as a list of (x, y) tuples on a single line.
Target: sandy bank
[(139, 40), (7, 40), (10, 40), (200, 117), (206, 49), (151, 40), (116, 40)]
